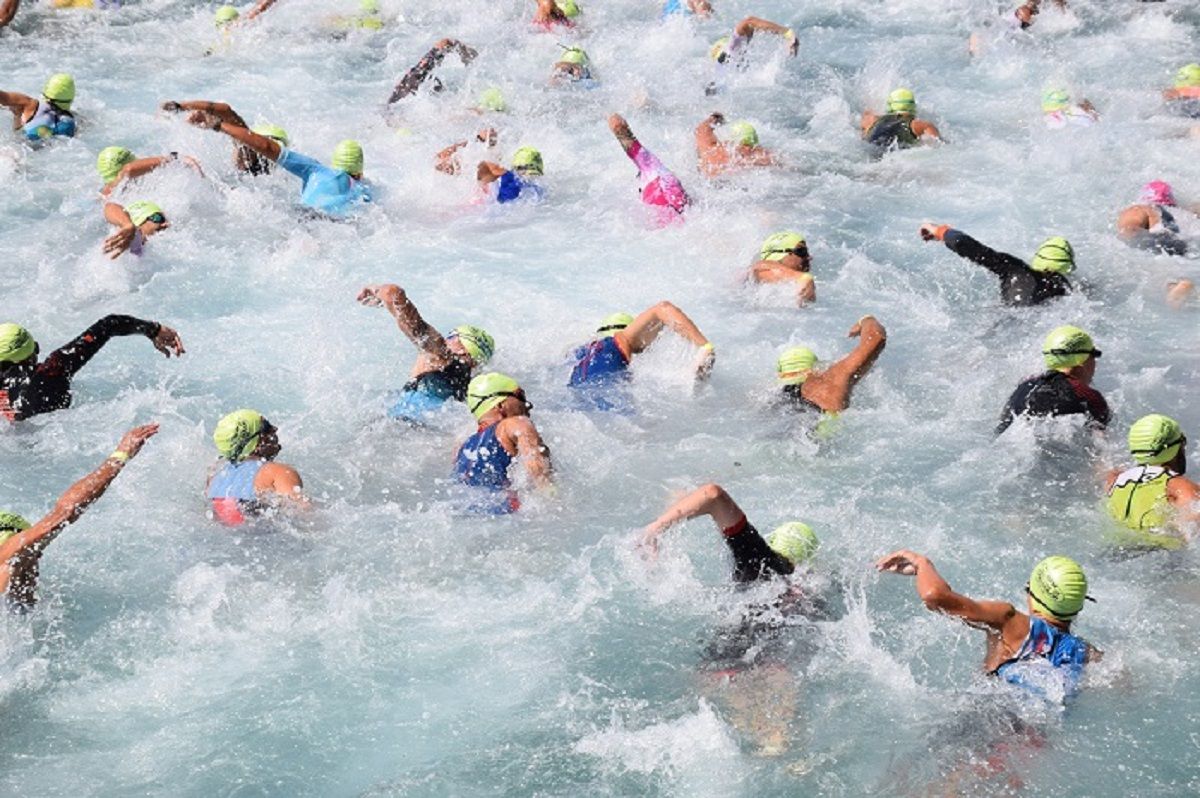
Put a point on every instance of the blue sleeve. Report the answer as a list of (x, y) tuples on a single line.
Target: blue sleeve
[(300, 165)]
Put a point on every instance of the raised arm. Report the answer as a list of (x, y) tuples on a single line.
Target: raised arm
[(20, 552), (530, 449), (710, 500), (222, 111), (408, 319), (709, 149), (18, 103), (413, 79), (831, 388), (269, 148), (116, 244), (649, 324), (751, 25), (620, 129), (1000, 264), (938, 595), (489, 172), (69, 359), (258, 9)]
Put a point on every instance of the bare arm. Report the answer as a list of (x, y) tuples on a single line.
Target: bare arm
[(750, 25), (8, 10), (489, 172), (701, 8), (921, 128), (1132, 221), (264, 146), (938, 595), (408, 319), (830, 389), (262, 6), (710, 500), (620, 129), (18, 103), (869, 118), (519, 433), (282, 480), (709, 149), (446, 161), (222, 111), (1184, 495), (644, 329)]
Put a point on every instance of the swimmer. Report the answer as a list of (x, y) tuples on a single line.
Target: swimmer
[(700, 8), (333, 191), (1059, 112), (414, 77), (1150, 225), (135, 224), (448, 162), (1035, 649), (1065, 388), (784, 258), (444, 367), (505, 433), (742, 149), (228, 15), (244, 158), (248, 483), (8, 11), (48, 117), (1154, 499), (507, 185), (899, 127), (369, 17), (1184, 97), (1021, 284), (660, 187), (749, 664), (491, 101), (573, 66), (29, 388), (606, 359), (1024, 14), (731, 51), (118, 166), (551, 13), (827, 390), (22, 544)]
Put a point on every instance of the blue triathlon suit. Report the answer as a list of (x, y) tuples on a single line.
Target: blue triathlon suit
[(329, 191), (511, 186), (49, 121), (483, 463), (1046, 648), (231, 492)]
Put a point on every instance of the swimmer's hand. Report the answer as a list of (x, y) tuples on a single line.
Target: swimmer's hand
[(168, 341), (205, 120), (903, 562), (488, 136), (932, 232), (119, 242), (171, 107), (132, 442), (793, 42), (716, 118), (377, 296), (866, 321), (619, 127), (705, 361), (648, 545)]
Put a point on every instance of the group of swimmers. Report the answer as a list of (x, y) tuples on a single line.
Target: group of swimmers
[(1152, 499)]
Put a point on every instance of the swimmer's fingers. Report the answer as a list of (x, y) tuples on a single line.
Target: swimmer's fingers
[(369, 296), (898, 562), (171, 107), (132, 442), (117, 243), (168, 342)]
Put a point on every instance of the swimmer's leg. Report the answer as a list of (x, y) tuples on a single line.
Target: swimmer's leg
[(760, 703)]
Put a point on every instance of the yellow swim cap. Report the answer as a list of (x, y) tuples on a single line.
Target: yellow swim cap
[(492, 99), (794, 541), (527, 161), (574, 55), (718, 48), (225, 15), (238, 434), (141, 210), (479, 345), (1188, 77), (744, 133), (779, 245), (569, 8), (1059, 586), (60, 89), (16, 344), (1155, 439), (272, 132), (487, 391), (1054, 255), (902, 101), (614, 324), (1055, 100), (110, 162), (348, 156), (11, 524), (795, 364), (1067, 346)]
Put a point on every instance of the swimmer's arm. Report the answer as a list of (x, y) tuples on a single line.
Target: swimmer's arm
[(282, 480), (71, 357), (712, 154), (119, 242), (938, 596), (409, 320), (263, 5), (748, 26), (447, 160), (222, 111), (710, 500), (921, 128), (18, 103), (1132, 221), (806, 292), (267, 147), (869, 118), (1000, 264), (830, 389), (701, 8), (620, 129), (1184, 495), (72, 504), (144, 166), (8, 10), (489, 172), (643, 330), (523, 437)]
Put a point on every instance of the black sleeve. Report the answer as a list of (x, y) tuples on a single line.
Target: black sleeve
[(413, 79), (753, 558), (1000, 264), (1015, 406), (67, 360)]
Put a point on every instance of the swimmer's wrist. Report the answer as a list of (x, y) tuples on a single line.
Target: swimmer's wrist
[(707, 346), (121, 457)]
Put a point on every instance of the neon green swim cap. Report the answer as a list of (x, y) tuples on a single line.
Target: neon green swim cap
[(1066, 347), (779, 245), (718, 48), (369, 6), (1054, 255), (569, 8), (348, 156), (225, 15), (1059, 586), (1155, 439), (1188, 77), (574, 55), (492, 99), (141, 210), (794, 541), (487, 391), (272, 132), (16, 344), (614, 323), (744, 133), (479, 345), (1055, 100), (527, 161), (60, 89), (11, 524), (110, 162), (901, 101), (238, 434), (795, 364)]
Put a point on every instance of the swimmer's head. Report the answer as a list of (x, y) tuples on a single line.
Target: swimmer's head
[(1067, 347), (225, 15), (779, 245), (492, 99), (613, 324), (717, 51), (1054, 255), (744, 134), (902, 101), (60, 90), (476, 341), (488, 391), (795, 365), (142, 211), (348, 156), (1155, 439), (368, 6), (527, 161), (1055, 100), (1188, 77), (11, 524), (272, 132), (110, 161), (569, 8), (1156, 192), (794, 541), (16, 344), (574, 55), (1058, 587), (239, 434)]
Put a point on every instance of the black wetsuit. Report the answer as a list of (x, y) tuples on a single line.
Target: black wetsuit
[(892, 130), (47, 386), (1055, 394), (1019, 285), (753, 559), (1166, 240), (793, 395), (414, 77)]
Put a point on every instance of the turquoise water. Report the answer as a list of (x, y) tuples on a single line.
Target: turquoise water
[(385, 645)]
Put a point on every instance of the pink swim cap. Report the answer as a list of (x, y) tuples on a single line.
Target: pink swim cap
[(1156, 192)]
